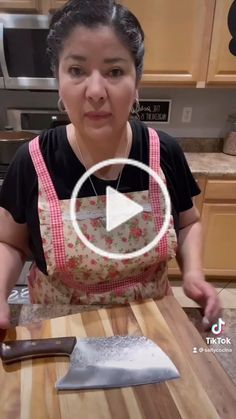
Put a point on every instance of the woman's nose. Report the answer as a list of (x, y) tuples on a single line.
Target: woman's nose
[(96, 89)]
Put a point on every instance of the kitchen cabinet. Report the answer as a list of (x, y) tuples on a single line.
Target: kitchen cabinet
[(12, 5), (217, 206), (219, 228), (222, 64), (55, 4), (177, 39), (22, 6)]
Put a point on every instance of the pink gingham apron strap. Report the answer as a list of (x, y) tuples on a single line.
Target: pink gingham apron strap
[(54, 204), (155, 190)]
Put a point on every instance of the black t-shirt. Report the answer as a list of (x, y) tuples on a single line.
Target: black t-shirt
[(19, 193)]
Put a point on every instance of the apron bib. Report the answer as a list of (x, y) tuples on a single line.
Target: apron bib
[(77, 275)]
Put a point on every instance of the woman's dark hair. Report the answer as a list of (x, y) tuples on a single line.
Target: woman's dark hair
[(91, 14)]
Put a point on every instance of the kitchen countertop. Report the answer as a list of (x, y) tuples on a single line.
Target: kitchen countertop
[(213, 165)]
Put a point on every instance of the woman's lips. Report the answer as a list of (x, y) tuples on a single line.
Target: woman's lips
[(97, 115)]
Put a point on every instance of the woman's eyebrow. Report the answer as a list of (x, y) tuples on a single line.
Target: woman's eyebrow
[(75, 57), (112, 60)]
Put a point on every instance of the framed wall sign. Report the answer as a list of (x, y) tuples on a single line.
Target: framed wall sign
[(154, 111)]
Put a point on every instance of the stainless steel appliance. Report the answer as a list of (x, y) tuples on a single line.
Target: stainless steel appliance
[(23, 278), (23, 52), (32, 120), (1, 79), (10, 141), (35, 120), (3, 170)]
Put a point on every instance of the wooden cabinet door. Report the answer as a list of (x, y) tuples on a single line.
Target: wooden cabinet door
[(19, 4), (219, 228), (55, 4), (222, 64), (178, 35)]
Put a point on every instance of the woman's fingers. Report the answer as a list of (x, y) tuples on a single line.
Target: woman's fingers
[(211, 305), (205, 295)]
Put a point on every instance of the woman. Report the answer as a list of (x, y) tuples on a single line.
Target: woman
[(96, 51)]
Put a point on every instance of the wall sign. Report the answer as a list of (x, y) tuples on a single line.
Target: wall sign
[(154, 111)]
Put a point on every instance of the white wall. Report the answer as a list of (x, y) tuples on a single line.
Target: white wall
[(210, 108)]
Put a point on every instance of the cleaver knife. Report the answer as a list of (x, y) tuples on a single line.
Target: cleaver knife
[(104, 362)]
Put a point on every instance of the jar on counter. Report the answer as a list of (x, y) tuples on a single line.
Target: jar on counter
[(230, 141)]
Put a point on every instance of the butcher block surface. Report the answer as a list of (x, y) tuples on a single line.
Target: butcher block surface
[(204, 390)]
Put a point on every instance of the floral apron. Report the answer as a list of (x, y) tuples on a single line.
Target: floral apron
[(77, 275)]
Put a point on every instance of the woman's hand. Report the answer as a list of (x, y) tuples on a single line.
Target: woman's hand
[(4, 315), (204, 294)]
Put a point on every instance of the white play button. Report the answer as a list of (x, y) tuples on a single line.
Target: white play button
[(119, 208)]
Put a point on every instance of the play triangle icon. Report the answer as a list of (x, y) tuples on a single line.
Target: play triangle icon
[(119, 208)]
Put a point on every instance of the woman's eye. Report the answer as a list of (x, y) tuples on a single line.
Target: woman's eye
[(116, 72), (75, 71)]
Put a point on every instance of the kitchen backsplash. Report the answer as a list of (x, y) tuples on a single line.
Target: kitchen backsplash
[(201, 145), (210, 108)]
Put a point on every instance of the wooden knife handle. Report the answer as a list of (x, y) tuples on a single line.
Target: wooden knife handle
[(12, 351)]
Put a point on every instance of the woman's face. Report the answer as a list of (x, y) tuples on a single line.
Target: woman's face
[(97, 81)]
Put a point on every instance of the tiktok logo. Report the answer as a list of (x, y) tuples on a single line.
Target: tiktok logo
[(217, 327)]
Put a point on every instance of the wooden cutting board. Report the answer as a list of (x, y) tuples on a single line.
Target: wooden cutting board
[(204, 390)]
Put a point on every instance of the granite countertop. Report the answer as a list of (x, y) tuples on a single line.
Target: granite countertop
[(213, 165)]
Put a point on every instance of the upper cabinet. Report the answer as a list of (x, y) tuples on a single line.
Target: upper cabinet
[(55, 4), (11, 5), (177, 39), (38, 6), (222, 64)]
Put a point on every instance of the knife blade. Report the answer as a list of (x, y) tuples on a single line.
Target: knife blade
[(104, 362)]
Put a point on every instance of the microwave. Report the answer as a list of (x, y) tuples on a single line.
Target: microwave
[(23, 58)]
